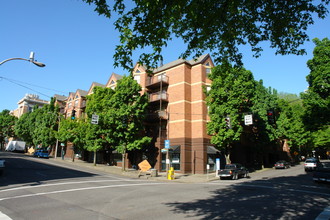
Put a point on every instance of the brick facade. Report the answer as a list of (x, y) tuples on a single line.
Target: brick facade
[(183, 99)]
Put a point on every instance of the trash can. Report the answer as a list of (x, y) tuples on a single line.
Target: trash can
[(154, 172)]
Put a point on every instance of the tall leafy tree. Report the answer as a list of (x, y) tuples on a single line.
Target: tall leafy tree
[(121, 113), (262, 134), (24, 127), (7, 122), (316, 99), (218, 25), (98, 135), (126, 115), (74, 131), (39, 126), (231, 94)]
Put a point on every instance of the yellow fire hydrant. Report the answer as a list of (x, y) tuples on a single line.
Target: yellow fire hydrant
[(170, 174)]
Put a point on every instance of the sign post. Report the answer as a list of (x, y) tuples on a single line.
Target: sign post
[(217, 164), (248, 120), (167, 147)]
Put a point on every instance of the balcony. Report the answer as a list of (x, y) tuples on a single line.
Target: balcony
[(155, 82), (155, 116), (157, 97)]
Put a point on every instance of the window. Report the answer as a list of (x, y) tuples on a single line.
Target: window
[(208, 71), (137, 78), (76, 102), (138, 71), (77, 96), (70, 105)]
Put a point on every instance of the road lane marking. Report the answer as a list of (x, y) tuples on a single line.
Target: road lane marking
[(4, 217), (79, 189), (66, 183)]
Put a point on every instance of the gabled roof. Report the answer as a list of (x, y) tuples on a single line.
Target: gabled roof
[(82, 93), (94, 84), (60, 97), (114, 77), (191, 62), (71, 95)]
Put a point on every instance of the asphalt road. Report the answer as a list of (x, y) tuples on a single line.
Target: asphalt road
[(33, 188)]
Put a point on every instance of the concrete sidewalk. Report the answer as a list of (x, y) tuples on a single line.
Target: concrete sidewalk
[(132, 173)]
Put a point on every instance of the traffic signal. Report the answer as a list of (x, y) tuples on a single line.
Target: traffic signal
[(73, 114), (271, 117), (228, 124)]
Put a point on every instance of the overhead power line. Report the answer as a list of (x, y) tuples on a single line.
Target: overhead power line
[(20, 83)]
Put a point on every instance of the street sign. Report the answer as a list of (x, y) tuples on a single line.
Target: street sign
[(248, 120), (95, 119), (167, 144)]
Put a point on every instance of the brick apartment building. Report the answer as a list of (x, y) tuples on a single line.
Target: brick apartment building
[(177, 112)]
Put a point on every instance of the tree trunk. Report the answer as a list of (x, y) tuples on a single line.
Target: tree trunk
[(123, 159), (228, 161), (94, 160)]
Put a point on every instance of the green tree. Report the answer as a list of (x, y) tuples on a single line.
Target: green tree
[(262, 134), (316, 99), (7, 122), (101, 134), (218, 25), (232, 91), (125, 113), (74, 131), (121, 113), (24, 127), (39, 126), (290, 125)]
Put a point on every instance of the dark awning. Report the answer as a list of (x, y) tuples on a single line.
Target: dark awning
[(175, 149)]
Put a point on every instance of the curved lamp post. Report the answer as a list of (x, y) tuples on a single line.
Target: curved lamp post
[(29, 60)]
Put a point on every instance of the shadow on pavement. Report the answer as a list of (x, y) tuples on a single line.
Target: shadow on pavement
[(20, 169), (275, 198)]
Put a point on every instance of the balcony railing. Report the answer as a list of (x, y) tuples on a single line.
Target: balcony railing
[(155, 81), (158, 96)]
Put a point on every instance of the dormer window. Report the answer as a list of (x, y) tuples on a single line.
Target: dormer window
[(77, 96), (112, 82), (137, 71)]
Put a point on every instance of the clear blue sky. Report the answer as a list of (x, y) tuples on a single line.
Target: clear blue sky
[(77, 46)]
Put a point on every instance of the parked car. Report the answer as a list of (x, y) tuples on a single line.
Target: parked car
[(311, 164), (322, 173), (2, 166), (282, 164), (41, 153), (233, 171)]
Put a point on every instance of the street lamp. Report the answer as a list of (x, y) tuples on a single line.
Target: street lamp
[(31, 59)]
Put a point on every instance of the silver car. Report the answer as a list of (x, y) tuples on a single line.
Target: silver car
[(311, 164)]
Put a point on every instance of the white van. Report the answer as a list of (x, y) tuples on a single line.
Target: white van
[(15, 146)]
